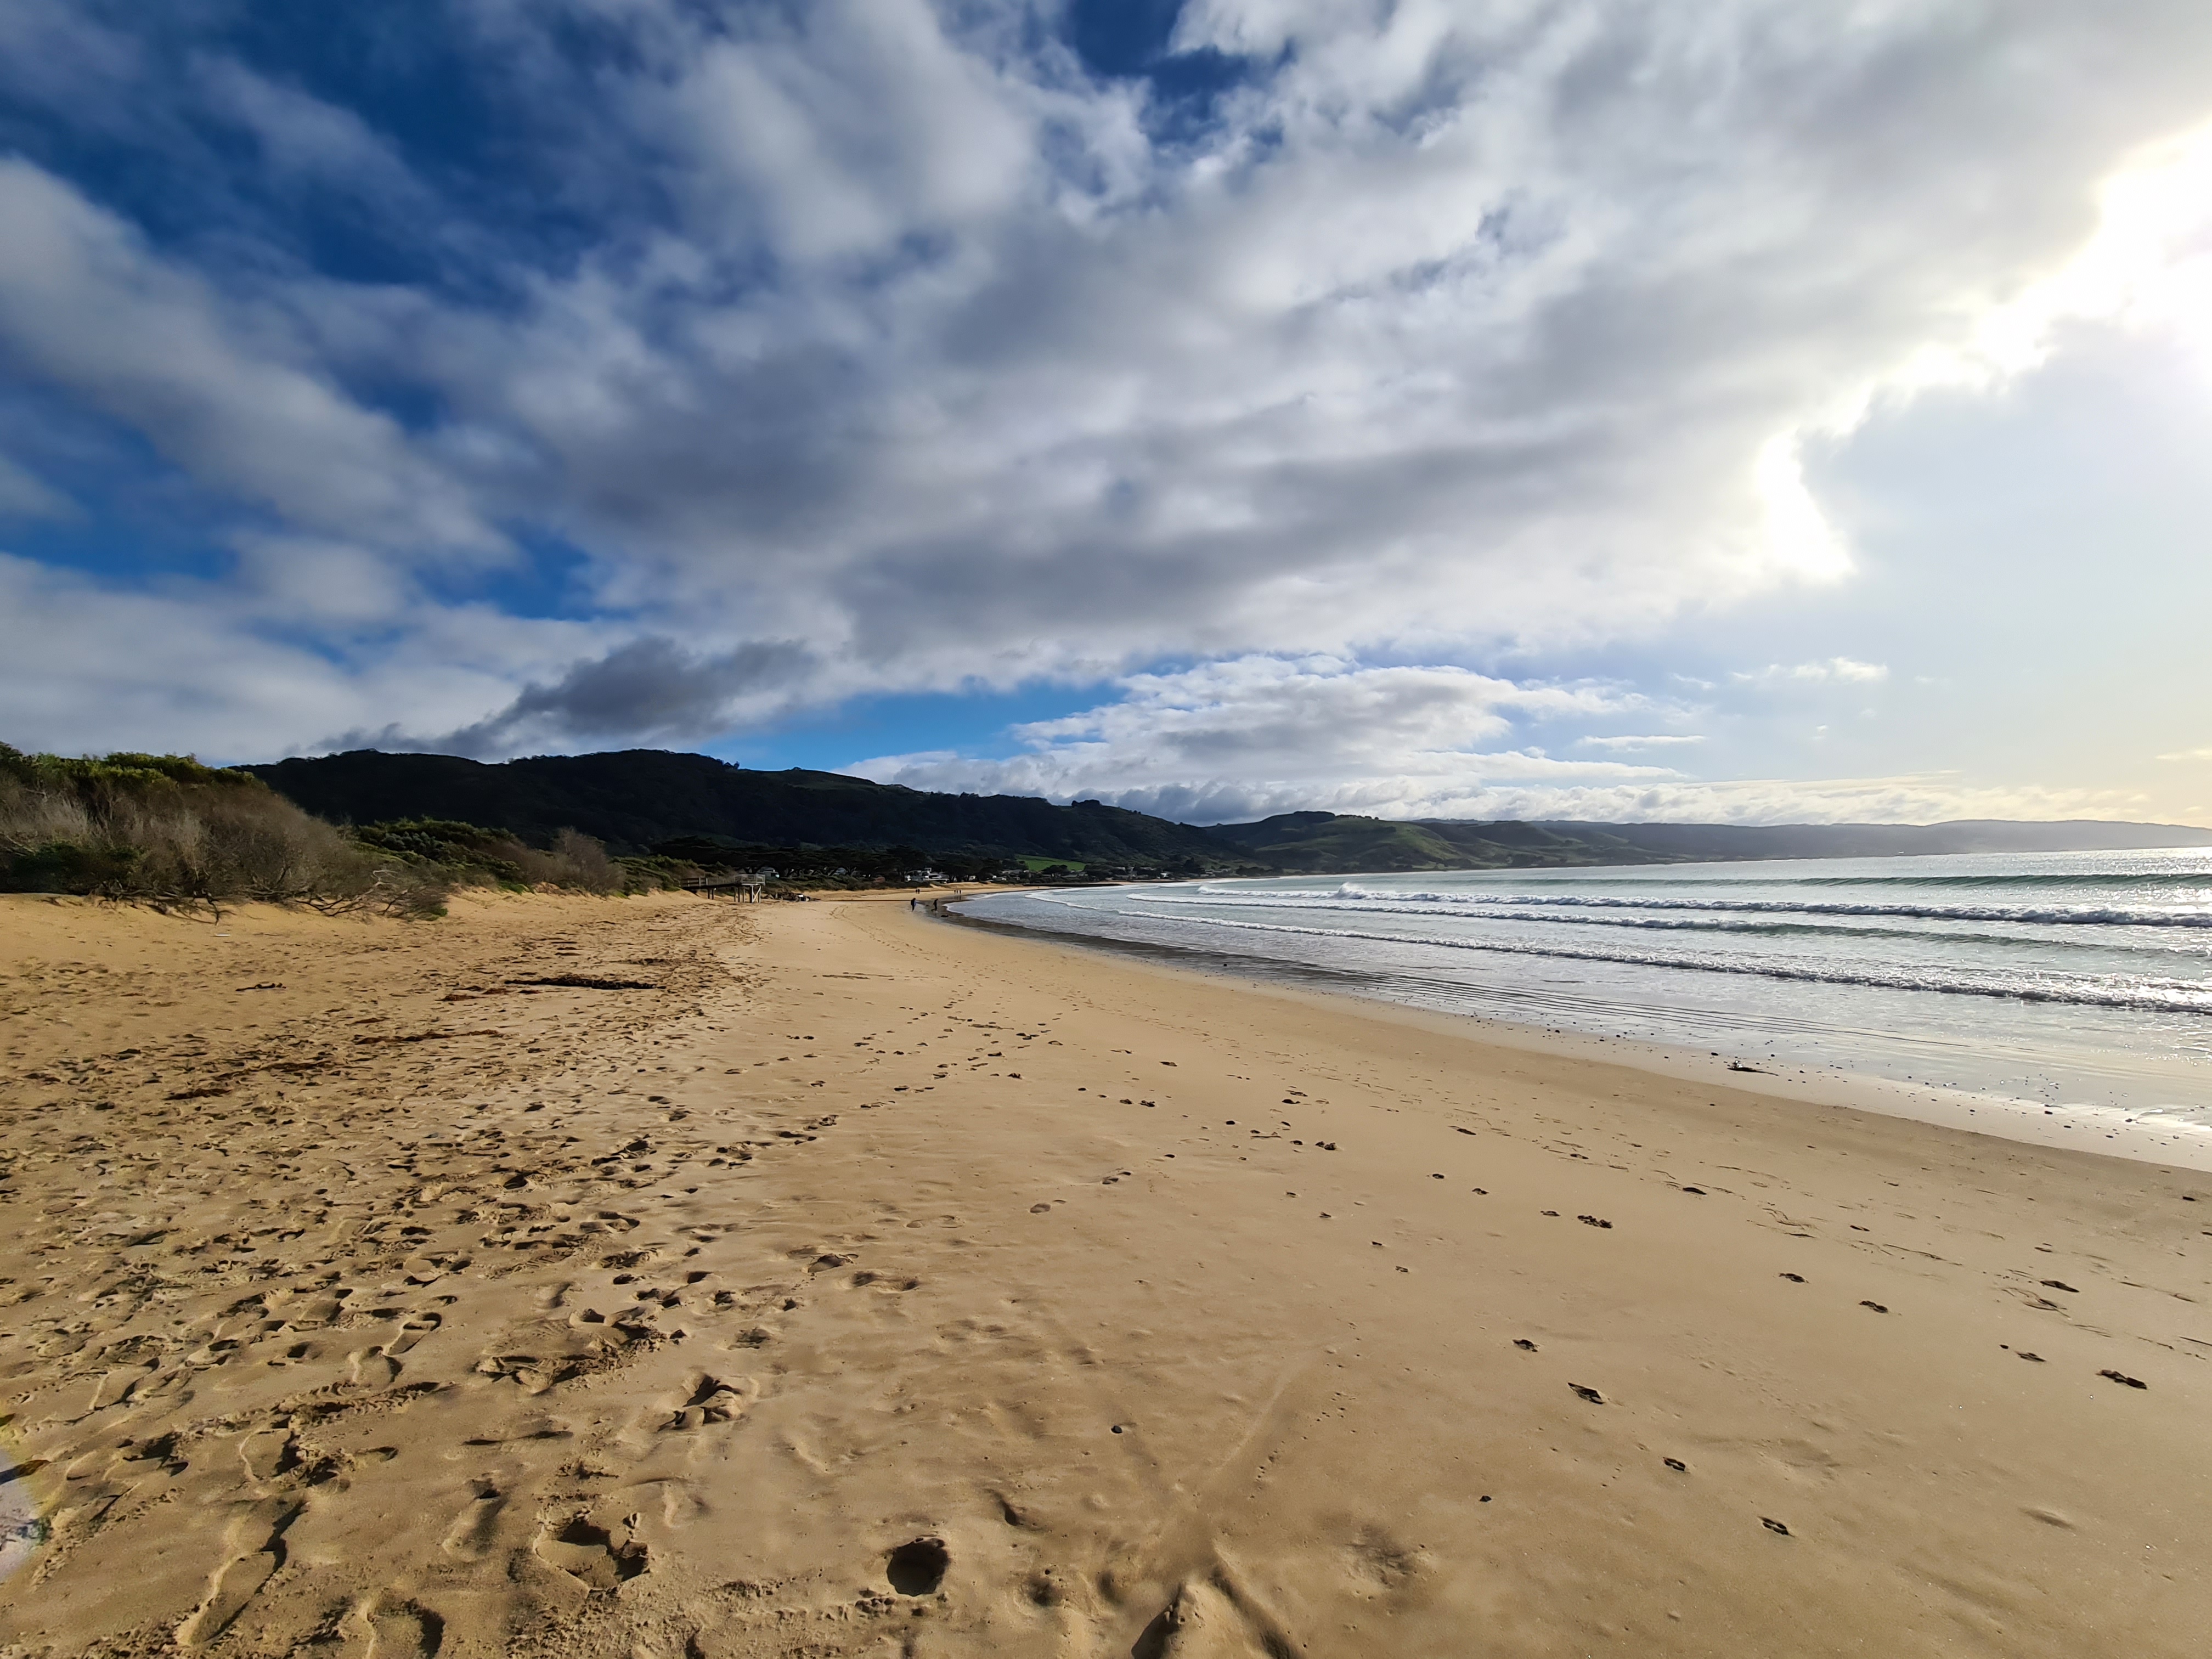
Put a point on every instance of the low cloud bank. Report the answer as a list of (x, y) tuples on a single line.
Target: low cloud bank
[(1264, 735)]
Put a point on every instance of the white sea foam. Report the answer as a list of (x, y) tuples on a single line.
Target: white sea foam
[(2087, 972), (1351, 895), (2162, 995)]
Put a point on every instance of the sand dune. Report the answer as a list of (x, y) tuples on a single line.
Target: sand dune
[(677, 1279)]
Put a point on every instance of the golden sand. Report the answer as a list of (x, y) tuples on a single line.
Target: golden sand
[(672, 1277)]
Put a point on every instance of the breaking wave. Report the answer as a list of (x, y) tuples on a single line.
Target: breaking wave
[(1350, 895), (2038, 978), (2147, 995)]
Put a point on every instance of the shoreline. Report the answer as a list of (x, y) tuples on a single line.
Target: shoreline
[(673, 1277), (2102, 1130)]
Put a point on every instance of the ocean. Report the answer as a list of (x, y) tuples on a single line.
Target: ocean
[(2075, 981)]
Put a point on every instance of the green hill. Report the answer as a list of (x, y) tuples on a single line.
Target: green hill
[(635, 799), (638, 800), (1334, 843)]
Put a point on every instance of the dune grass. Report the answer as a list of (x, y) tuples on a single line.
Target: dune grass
[(169, 830)]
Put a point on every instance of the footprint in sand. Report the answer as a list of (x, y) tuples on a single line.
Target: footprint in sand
[(679, 1503), (400, 1630), (371, 1369), (707, 1399), (117, 1385), (1378, 1561), (256, 1539), (266, 1454), (228, 1592), (470, 1537), (599, 1556), (413, 1327)]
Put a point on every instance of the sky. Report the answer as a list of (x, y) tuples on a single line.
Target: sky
[(1608, 408)]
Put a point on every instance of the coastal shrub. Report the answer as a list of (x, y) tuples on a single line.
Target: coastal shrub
[(469, 855), (583, 863), (833, 867), (653, 873), (463, 854), (167, 829)]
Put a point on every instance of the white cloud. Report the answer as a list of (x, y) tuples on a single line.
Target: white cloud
[(23, 495), (303, 137), (148, 645), (1835, 671), (2149, 264), (193, 665), (1540, 359), (837, 134), (2187, 755), (883, 348), (1243, 740), (317, 582), (1253, 735), (92, 310), (1644, 742)]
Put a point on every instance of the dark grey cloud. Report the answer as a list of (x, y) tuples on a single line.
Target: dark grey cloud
[(650, 689)]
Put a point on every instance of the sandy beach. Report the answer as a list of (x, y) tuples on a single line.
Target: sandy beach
[(680, 1279)]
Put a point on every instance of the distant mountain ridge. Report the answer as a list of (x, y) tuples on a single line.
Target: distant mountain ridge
[(1327, 843), (635, 799)]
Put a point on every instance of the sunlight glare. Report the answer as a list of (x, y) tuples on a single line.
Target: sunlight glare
[(1797, 534)]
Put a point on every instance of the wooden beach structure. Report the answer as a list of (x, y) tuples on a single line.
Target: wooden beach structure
[(743, 886)]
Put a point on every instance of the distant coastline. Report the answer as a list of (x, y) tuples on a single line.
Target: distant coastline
[(641, 800), (2073, 985)]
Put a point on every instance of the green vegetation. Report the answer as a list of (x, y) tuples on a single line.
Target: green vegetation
[(1337, 844), (832, 867), (1333, 843), (463, 854), (168, 831), (637, 800), (645, 802), (165, 829)]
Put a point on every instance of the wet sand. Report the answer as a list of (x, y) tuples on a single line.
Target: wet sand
[(680, 1277)]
